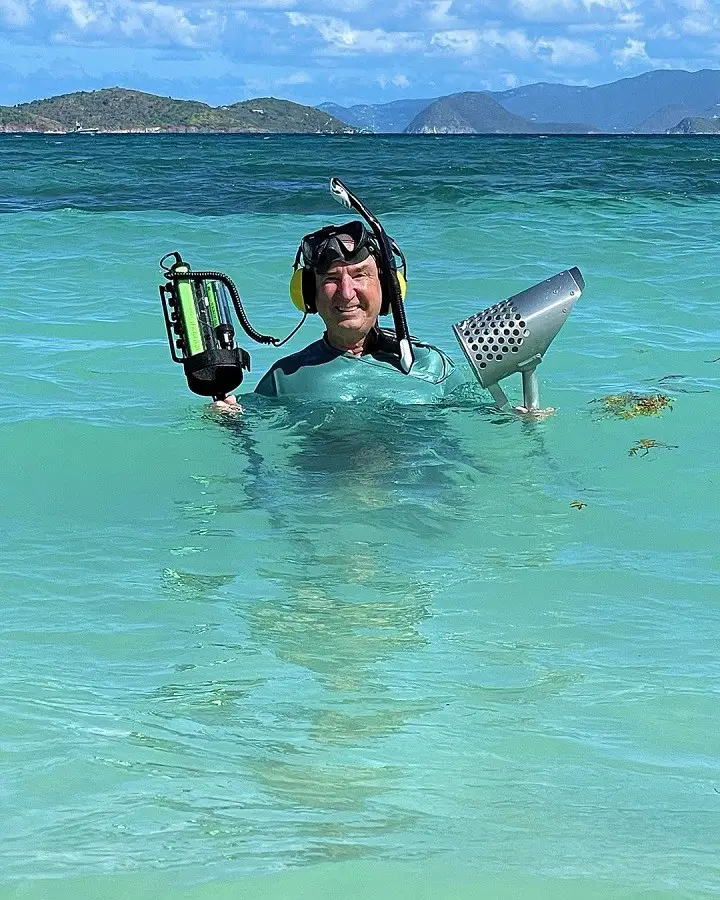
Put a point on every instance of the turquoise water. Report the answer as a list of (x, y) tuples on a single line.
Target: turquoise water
[(359, 651)]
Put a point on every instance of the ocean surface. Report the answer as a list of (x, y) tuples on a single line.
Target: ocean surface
[(363, 650)]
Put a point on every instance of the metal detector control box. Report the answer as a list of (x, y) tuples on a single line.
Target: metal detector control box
[(512, 336)]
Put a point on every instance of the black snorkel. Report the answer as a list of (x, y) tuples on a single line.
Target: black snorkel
[(388, 268)]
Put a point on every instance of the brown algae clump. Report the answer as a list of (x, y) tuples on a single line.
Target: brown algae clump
[(629, 405)]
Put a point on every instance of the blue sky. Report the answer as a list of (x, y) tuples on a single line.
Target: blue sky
[(347, 51)]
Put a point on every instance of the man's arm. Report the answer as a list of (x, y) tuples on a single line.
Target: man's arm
[(267, 386)]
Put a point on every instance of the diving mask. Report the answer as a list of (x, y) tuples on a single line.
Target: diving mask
[(348, 243)]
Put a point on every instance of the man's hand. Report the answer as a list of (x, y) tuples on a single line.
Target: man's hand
[(534, 414), (228, 405)]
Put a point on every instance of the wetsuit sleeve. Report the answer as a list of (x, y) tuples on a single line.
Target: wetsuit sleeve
[(267, 386), (456, 377)]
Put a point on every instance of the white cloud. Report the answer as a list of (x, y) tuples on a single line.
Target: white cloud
[(332, 30), (79, 11), (547, 10), (379, 41), (462, 43), (700, 24), (558, 51), (630, 20), (665, 31), (339, 35), (266, 4), (515, 42), (439, 15), (15, 13), (565, 52), (703, 18), (633, 51), (400, 80), (147, 22), (294, 78)]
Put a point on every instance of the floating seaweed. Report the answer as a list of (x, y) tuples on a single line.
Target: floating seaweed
[(630, 405), (644, 446), (679, 383)]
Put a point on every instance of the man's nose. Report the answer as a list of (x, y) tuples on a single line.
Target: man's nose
[(347, 287)]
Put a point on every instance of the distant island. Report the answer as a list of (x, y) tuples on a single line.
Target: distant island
[(477, 113), (658, 102), (120, 111)]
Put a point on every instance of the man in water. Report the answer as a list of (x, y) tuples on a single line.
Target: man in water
[(355, 359)]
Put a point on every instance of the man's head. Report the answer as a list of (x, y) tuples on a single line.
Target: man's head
[(348, 298), (340, 280)]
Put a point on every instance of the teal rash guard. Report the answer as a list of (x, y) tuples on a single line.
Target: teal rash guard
[(321, 372)]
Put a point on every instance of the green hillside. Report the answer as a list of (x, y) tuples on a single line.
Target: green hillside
[(118, 109), (269, 114), (474, 112), (696, 125)]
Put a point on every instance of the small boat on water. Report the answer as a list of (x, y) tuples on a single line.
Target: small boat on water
[(80, 130)]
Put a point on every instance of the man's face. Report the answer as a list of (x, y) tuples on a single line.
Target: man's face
[(348, 300)]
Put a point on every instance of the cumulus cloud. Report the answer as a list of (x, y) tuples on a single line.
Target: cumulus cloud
[(146, 22), (633, 52), (294, 78), (565, 52), (339, 35), (558, 51), (440, 13), (459, 42), (267, 4), (15, 13), (703, 18), (400, 80), (550, 10), (515, 42)]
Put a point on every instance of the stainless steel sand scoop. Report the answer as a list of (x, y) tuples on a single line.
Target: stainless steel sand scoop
[(513, 336)]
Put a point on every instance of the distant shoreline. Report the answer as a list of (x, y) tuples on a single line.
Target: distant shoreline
[(604, 135), (659, 103)]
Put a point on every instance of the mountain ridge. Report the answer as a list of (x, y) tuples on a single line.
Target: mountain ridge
[(655, 102), (383, 118), (113, 110), (619, 106), (629, 105)]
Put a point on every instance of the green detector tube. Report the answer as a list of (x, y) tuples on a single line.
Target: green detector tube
[(214, 308), (188, 317)]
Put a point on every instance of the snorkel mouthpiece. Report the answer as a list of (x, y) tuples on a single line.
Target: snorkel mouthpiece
[(513, 336)]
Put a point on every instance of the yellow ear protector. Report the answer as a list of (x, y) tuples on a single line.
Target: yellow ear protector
[(302, 285), (302, 282)]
